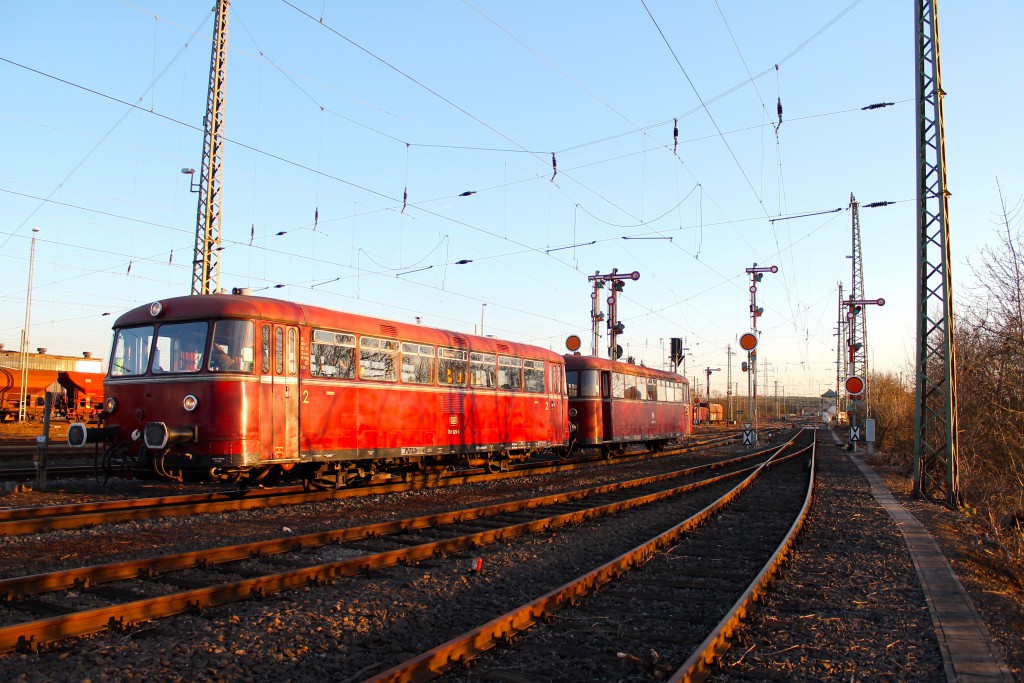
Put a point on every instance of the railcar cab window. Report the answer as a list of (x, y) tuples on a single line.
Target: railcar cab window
[(333, 354), (233, 347), (451, 367), (533, 376), (179, 347), (378, 359), (510, 373), (589, 384), (482, 370), (131, 351), (417, 363)]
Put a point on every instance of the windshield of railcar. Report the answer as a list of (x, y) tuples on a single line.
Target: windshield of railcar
[(233, 347), (179, 347), (131, 351)]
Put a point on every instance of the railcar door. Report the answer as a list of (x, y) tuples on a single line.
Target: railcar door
[(280, 409), (606, 406), (557, 403)]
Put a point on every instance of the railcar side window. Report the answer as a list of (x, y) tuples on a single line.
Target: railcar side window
[(279, 350), (179, 347), (233, 346), (451, 367), (533, 375), (510, 373), (652, 389), (618, 385), (378, 359), (572, 383), (293, 351), (265, 349), (131, 351), (333, 354), (482, 370), (417, 363)]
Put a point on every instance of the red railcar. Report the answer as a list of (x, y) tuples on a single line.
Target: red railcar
[(228, 386), (612, 404)]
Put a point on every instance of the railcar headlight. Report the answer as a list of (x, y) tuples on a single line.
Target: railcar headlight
[(110, 405), (190, 403), (572, 412), (156, 308)]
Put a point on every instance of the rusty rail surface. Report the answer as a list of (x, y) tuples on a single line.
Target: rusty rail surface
[(701, 662), (460, 650), (16, 521), (29, 635)]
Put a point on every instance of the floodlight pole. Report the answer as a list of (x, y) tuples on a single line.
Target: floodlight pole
[(23, 391)]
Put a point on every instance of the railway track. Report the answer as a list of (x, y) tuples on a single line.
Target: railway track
[(656, 599), (258, 569), (17, 521)]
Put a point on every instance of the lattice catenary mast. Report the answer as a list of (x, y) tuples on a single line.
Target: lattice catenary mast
[(206, 261), (857, 330), (936, 468)]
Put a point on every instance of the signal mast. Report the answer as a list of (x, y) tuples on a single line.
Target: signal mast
[(615, 328)]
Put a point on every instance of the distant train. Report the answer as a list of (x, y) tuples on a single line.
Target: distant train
[(78, 396), (233, 386), (707, 413)]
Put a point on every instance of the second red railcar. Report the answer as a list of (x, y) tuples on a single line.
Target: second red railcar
[(612, 404)]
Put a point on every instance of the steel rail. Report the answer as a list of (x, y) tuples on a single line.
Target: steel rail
[(459, 650), (701, 662), (16, 521), (27, 636), (88, 576)]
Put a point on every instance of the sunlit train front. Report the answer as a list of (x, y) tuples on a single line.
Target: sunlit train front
[(181, 393), (233, 386)]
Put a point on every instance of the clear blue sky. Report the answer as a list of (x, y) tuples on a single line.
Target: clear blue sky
[(337, 108)]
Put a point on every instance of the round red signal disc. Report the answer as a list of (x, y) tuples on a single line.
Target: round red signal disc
[(572, 343), (748, 341), (855, 385)]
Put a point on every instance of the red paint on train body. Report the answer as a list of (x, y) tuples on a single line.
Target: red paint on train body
[(613, 403), (224, 384)]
